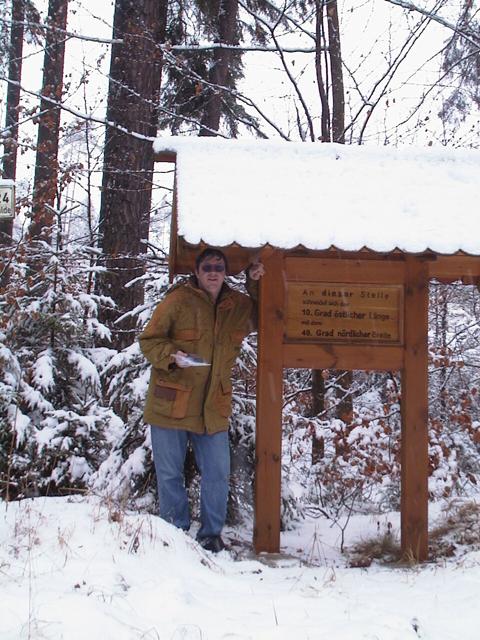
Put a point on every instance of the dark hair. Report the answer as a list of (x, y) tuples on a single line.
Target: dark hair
[(210, 253)]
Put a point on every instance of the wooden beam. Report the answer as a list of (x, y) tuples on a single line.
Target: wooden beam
[(457, 267), (414, 409), (268, 442), (337, 356), (331, 267), (238, 257), (334, 270), (165, 156)]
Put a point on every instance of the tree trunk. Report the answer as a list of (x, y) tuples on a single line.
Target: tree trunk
[(227, 33), (46, 163), (345, 401), (321, 83), (332, 102), (13, 101), (329, 71), (336, 73), (318, 406), (135, 74), (13, 91), (344, 397)]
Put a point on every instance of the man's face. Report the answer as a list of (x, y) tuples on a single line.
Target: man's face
[(210, 275)]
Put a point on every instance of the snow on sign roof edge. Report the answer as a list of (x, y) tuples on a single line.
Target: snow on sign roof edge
[(317, 195)]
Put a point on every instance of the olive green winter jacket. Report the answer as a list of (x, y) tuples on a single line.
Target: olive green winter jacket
[(196, 399)]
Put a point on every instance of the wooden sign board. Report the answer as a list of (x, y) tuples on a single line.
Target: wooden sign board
[(345, 313)]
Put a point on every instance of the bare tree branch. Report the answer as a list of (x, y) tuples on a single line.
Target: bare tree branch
[(372, 100), (182, 66), (432, 87), (76, 113), (463, 32), (272, 28), (283, 13)]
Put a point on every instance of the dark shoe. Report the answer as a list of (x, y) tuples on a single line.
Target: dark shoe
[(214, 544)]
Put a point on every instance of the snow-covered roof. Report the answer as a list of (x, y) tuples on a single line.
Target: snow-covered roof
[(321, 195)]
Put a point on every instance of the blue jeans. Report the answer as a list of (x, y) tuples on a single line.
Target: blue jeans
[(212, 455)]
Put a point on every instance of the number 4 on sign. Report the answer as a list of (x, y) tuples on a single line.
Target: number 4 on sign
[(7, 199)]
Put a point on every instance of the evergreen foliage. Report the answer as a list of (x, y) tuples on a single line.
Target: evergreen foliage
[(127, 475), (461, 65), (187, 86), (53, 421)]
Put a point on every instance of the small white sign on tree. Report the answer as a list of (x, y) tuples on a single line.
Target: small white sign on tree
[(7, 199)]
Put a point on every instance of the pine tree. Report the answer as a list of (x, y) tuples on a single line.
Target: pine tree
[(19, 10), (55, 429), (135, 74), (46, 163), (461, 64), (199, 95)]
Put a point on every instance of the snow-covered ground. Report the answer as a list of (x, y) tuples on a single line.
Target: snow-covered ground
[(77, 568)]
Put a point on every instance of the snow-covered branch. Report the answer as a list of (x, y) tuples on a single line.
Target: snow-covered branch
[(180, 48), (463, 31), (280, 50), (78, 114)]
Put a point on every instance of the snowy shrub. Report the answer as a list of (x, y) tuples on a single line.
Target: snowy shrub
[(242, 433), (356, 465), (383, 547), (12, 420), (456, 528), (51, 408), (127, 474), (453, 386)]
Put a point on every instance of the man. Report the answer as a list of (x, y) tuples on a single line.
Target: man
[(192, 341)]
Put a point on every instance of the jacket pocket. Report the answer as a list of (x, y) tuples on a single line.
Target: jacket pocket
[(223, 398), (171, 398), (186, 335), (186, 340)]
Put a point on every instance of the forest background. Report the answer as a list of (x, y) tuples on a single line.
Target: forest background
[(85, 260)]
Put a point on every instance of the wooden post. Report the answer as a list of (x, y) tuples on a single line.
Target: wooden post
[(268, 448), (414, 407)]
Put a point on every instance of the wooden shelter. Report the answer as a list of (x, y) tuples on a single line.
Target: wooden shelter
[(350, 238)]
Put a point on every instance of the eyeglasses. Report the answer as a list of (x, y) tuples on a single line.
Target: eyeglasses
[(207, 268)]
